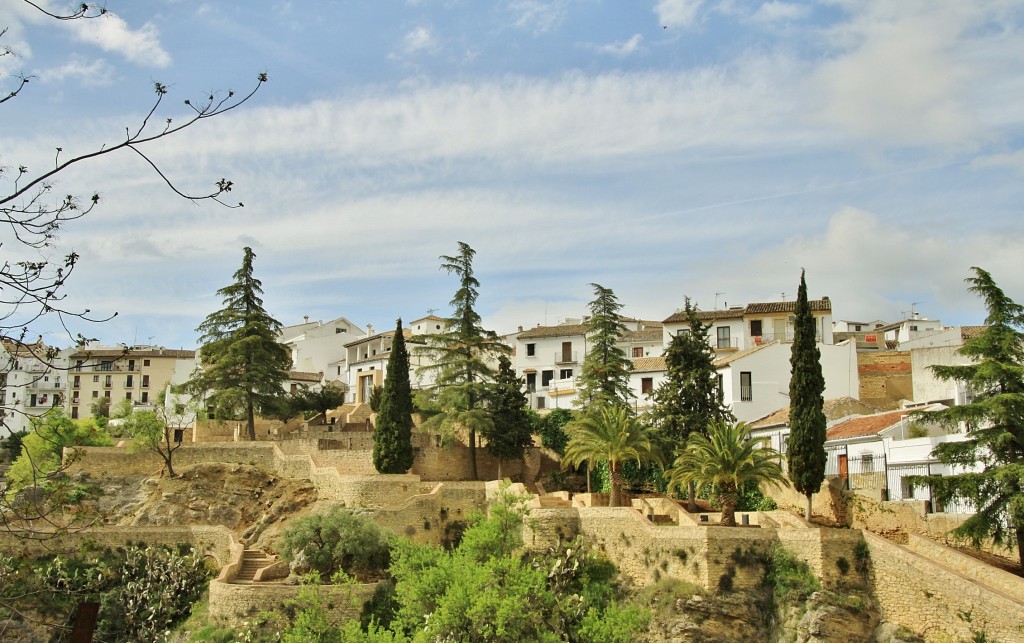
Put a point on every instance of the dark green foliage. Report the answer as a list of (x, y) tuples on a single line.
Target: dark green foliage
[(552, 433), (13, 444), (142, 591), (458, 357), (375, 394), (319, 401), (689, 399), (806, 404), (100, 410), (40, 461), (995, 421), (512, 424), (790, 578), (862, 557), (392, 435), (338, 541), (245, 366), (604, 377)]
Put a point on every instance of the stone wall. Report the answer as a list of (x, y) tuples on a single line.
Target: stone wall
[(885, 378), (233, 604), (938, 602), (214, 541), (431, 517), (831, 502)]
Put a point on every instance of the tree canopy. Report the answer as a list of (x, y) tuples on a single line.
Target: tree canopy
[(244, 366), (392, 434), (806, 451), (459, 357), (604, 376), (512, 424), (988, 467)]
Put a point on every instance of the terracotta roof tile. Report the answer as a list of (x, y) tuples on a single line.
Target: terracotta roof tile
[(554, 331), (817, 305), (645, 335), (648, 364), (865, 425), (834, 409), (705, 315), (970, 332), (304, 376)]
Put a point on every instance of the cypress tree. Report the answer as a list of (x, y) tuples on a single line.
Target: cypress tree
[(244, 366), (392, 435), (806, 453), (512, 425)]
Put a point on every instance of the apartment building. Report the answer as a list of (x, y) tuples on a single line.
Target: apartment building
[(32, 378), (739, 328), (137, 374)]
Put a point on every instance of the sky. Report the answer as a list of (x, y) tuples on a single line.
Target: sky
[(660, 148)]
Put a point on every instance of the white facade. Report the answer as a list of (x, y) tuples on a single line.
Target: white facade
[(740, 328), (319, 347), (756, 382), (30, 384), (910, 329), (549, 359)]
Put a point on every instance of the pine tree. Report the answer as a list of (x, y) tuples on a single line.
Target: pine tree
[(244, 365), (458, 357), (604, 377), (690, 398), (995, 420), (392, 435), (512, 424), (806, 453)]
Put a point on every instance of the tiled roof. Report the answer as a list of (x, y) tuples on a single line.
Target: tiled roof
[(132, 353), (865, 425), (732, 357), (554, 331), (406, 331), (648, 364), (970, 332), (817, 305), (304, 376), (705, 315), (834, 409), (646, 335), (764, 308)]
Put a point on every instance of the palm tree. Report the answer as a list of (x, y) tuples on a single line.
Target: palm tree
[(609, 434), (726, 459)]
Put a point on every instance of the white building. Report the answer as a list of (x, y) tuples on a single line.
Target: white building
[(742, 327), (320, 347), (32, 381)]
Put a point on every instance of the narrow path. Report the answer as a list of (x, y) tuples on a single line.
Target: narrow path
[(252, 561)]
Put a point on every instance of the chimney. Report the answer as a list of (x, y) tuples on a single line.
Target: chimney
[(369, 329), (520, 329), (305, 319)]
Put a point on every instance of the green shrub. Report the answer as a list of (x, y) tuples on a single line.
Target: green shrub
[(789, 578), (338, 541)]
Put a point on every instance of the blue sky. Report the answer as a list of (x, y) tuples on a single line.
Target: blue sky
[(661, 148)]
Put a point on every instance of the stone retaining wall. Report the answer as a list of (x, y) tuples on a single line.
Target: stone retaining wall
[(937, 602), (234, 604)]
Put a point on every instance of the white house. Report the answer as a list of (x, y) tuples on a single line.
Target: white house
[(32, 382), (320, 347), (907, 330), (743, 327)]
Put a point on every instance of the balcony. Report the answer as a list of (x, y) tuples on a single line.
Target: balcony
[(566, 357)]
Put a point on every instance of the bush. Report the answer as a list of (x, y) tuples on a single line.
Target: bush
[(788, 577), (338, 541), (552, 435)]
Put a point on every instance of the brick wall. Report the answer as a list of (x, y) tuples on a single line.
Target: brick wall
[(885, 378)]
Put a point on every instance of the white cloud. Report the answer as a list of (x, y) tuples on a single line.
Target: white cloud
[(97, 73), (623, 48), (1012, 160), (677, 13), (777, 11), (910, 73), (538, 15), (419, 40), (111, 33)]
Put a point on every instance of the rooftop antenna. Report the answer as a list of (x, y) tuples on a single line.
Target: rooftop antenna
[(716, 299), (431, 311), (783, 296)]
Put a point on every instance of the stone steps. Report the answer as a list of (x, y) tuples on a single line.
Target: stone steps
[(252, 561)]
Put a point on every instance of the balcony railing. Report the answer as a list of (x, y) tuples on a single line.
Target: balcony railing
[(566, 357)]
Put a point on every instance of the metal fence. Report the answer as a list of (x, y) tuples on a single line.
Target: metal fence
[(868, 470)]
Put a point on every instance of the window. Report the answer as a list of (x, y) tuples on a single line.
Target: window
[(106, 394), (78, 381), (129, 381), (106, 366), (145, 397), (746, 387), (131, 365), (565, 373), (723, 336), (74, 412), (78, 364), (567, 352), (531, 350), (531, 382), (646, 385), (755, 328), (856, 327), (721, 386), (338, 331), (145, 362), (107, 380), (546, 377), (95, 394), (95, 378), (145, 381), (914, 328), (638, 351), (867, 462), (540, 402), (128, 395)]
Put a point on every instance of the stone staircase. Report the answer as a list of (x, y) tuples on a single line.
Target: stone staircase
[(252, 560)]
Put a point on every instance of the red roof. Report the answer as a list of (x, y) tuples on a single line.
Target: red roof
[(865, 425)]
